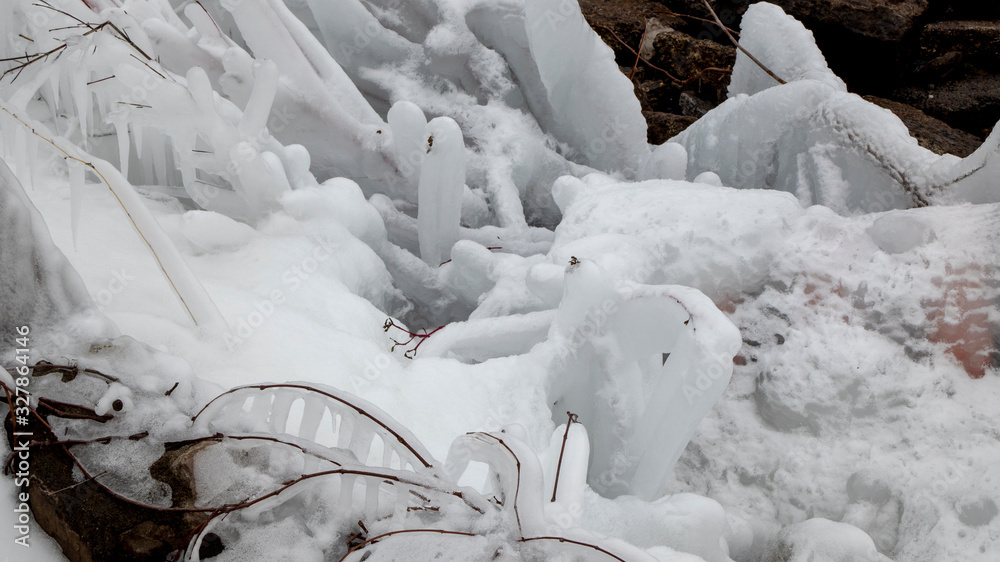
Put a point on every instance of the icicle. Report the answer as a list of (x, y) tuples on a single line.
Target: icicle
[(76, 179), (50, 93), (279, 410), (201, 89), (371, 498), (137, 138), (407, 122), (345, 431), (81, 100), (261, 407), (121, 131), (258, 108), (347, 491), (184, 152), (158, 154), (312, 416), (386, 454), (361, 442), (402, 502)]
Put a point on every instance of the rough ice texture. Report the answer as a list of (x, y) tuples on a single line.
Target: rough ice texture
[(38, 287), (591, 103), (811, 138), (784, 45), (838, 361)]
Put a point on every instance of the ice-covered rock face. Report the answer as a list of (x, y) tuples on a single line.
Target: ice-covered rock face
[(39, 289)]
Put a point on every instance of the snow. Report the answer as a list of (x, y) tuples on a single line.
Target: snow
[(297, 198)]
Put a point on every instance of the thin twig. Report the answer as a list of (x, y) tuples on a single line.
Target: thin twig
[(629, 47), (571, 417), (401, 532), (410, 353), (43, 368), (689, 16), (71, 486), (725, 30), (347, 403), (578, 543), (642, 41)]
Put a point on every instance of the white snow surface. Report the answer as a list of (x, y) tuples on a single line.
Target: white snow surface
[(852, 274)]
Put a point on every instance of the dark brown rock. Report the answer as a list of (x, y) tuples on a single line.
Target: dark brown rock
[(966, 9), (661, 127), (881, 20), (941, 67), (978, 42), (932, 134), (703, 64), (89, 523), (621, 23), (659, 95), (971, 104)]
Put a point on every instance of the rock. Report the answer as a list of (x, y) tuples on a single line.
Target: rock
[(971, 103), (977, 42), (89, 523), (932, 134), (940, 68), (664, 126), (693, 106), (865, 42), (705, 63), (821, 540), (621, 23), (659, 96), (881, 20), (967, 9)]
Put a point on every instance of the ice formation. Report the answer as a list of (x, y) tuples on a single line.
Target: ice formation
[(812, 138), (304, 171)]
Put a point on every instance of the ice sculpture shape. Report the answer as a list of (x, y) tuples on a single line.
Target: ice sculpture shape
[(812, 138), (657, 356), (442, 181)]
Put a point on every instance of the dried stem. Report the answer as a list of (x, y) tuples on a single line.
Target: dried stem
[(725, 30), (578, 543), (642, 41), (571, 417), (410, 353), (43, 368), (350, 405), (402, 532)]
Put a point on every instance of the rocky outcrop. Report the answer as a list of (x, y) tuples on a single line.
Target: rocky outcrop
[(932, 134), (971, 103), (973, 42), (934, 63), (880, 20), (662, 127)]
